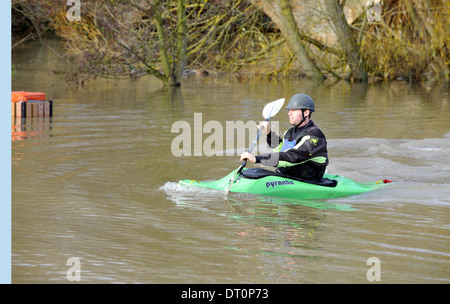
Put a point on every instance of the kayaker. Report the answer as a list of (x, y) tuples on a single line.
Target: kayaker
[(302, 150)]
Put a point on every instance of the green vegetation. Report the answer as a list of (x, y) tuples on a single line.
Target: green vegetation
[(132, 38), (411, 41)]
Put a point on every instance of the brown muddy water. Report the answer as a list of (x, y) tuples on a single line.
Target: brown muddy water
[(98, 182)]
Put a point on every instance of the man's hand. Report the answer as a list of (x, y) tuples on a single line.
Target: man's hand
[(266, 125), (248, 156)]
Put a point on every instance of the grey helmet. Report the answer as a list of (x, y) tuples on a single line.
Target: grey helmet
[(301, 101)]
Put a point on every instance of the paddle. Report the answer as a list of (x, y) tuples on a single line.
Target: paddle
[(270, 110)]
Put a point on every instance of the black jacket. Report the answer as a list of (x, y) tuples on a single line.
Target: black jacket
[(301, 152)]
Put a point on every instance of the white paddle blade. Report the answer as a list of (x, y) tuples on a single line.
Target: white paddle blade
[(272, 108)]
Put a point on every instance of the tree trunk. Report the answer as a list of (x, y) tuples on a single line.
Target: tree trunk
[(173, 66), (164, 55), (179, 61), (347, 39), (294, 39)]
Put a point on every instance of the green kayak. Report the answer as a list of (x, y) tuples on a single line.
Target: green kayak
[(268, 183)]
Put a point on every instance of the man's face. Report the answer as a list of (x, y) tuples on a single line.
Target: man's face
[(295, 116)]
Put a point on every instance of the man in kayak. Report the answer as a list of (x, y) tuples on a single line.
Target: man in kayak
[(302, 151)]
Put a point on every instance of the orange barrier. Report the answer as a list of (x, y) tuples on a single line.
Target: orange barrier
[(17, 96), (29, 104)]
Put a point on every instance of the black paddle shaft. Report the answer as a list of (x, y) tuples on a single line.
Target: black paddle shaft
[(277, 104), (244, 163)]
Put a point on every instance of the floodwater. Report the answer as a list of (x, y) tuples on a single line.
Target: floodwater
[(98, 182)]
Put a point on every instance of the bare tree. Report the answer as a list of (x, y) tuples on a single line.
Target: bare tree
[(295, 40), (134, 38), (347, 39), (123, 38)]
